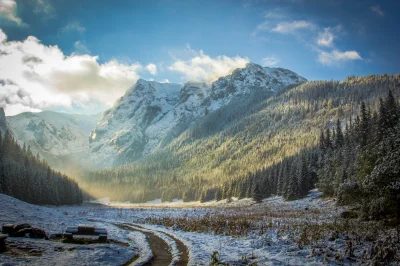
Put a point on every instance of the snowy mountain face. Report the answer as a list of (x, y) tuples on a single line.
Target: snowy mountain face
[(151, 113), (53, 135), (3, 122), (251, 78)]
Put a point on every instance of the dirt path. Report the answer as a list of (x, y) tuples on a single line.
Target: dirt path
[(160, 249), (183, 251)]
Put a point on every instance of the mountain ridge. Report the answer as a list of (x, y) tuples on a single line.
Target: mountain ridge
[(150, 111)]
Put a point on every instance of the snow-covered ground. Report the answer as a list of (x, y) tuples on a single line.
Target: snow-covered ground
[(55, 221), (272, 246)]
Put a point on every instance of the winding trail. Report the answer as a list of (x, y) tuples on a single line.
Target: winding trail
[(160, 249), (183, 250)]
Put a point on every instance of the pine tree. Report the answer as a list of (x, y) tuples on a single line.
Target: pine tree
[(256, 194), (392, 110), (303, 181), (364, 125), (328, 141), (339, 135), (24, 177)]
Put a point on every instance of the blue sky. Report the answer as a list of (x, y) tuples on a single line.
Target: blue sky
[(182, 40)]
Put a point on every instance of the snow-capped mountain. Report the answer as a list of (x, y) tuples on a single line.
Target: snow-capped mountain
[(150, 112), (252, 77), (53, 135)]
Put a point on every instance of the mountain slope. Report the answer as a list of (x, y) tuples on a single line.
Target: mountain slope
[(151, 114), (230, 144), (55, 136)]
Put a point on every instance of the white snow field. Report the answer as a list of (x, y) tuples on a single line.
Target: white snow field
[(272, 246)]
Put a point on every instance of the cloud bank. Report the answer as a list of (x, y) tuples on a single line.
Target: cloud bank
[(35, 76), (336, 56), (293, 26)]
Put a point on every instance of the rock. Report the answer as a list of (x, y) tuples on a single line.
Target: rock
[(22, 232), (3, 242), (38, 233), (35, 251), (8, 228), (21, 226), (55, 236)]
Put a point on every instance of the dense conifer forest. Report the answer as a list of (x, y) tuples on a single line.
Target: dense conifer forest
[(27, 177), (341, 137)]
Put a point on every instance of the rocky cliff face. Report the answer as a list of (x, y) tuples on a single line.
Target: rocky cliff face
[(151, 112)]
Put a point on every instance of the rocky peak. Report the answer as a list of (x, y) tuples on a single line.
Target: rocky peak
[(251, 78), (198, 90)]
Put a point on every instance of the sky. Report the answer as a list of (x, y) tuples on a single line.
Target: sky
[(80, 56)]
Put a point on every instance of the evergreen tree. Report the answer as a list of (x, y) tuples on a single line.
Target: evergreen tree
[(364, 125), (26, 177), (256, 194), (339, 135)]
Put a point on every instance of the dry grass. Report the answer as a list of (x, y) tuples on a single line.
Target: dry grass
[(320, 230)]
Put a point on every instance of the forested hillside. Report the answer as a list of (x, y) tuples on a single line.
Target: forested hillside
[(27, 177), (265, 144)]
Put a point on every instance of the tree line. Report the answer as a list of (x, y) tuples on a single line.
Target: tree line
[(28, 178)]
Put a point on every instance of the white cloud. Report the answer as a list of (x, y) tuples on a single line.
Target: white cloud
[(45, 8), (336, 56), (265, 26), (378, 10), (293, 26), (164, 81), (74, 26), (18, 108), (3, 37), (270, 61), (35, 76), (8, 9), (152, 68), (203, 67), (81, 48), (276, 13), (325, 38)]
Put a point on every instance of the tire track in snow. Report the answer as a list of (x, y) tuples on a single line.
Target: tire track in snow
[(183, 250), (159, 248)]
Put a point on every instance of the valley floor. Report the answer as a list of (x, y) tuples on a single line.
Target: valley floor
[(303, 232)]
